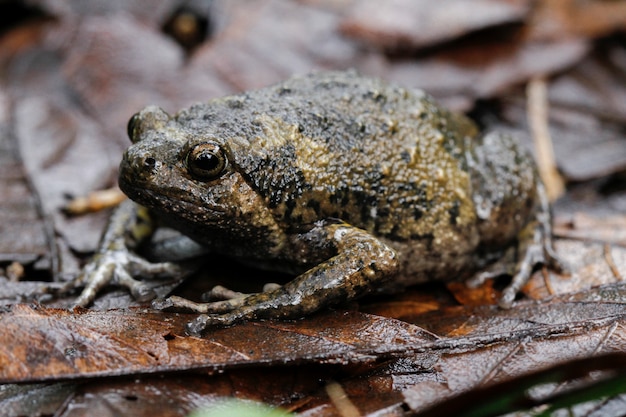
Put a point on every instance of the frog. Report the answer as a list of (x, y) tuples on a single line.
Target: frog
[(350, 184)]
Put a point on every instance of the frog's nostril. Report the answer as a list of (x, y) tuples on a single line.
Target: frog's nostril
[(149, 163)]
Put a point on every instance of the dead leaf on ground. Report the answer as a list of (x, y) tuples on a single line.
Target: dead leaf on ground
[(413, 24), (49, 344), (608, 228), (26, 234), (473, 347)]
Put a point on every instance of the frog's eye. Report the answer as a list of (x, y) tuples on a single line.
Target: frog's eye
[(206, 161), (130, 127)]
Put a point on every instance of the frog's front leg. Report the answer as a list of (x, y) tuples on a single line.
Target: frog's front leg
[(361, 262), (115, 262)]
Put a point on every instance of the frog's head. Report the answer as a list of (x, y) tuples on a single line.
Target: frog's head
[(187, 176)]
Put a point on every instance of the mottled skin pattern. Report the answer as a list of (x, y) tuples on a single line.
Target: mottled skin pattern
[(354, 184)]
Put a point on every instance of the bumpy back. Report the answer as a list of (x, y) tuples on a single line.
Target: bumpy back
[(339, 145)]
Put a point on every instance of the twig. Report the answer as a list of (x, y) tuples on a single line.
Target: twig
[(537, 109)]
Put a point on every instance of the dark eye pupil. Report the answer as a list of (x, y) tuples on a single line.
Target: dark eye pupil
[(207, 161)]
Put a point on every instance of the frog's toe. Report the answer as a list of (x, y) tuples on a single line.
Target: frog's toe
[(139, 290), (164, 304), (271, 286), (175, 303), (538, 252), (138, 266), (197, 325), (52, 290), (555, 262), (508, 296), (220, 292), (205, 321), (142, 292), (96, 275)]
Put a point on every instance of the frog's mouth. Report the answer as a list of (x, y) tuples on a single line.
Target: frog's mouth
[(172, 204)]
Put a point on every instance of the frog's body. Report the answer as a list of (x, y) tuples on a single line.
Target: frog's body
[(353, 183)]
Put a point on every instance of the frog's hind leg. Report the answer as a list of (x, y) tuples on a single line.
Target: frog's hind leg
[(360, 262), (534, 247)]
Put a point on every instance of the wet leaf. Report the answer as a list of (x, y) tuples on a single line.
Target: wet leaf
[(173, 395), (26, 236), (412, 24), (243, 56), (485, 69), (42, 344), (556, 387), (476, 347)]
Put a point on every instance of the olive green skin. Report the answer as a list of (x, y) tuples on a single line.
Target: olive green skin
[(355, 184)]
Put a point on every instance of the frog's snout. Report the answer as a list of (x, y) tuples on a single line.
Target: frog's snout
[(140, 166)]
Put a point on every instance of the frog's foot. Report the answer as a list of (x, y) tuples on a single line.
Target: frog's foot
[(537, 250), (536, 247), (534, 252), (117, 267), (116, 263), (281, 302)]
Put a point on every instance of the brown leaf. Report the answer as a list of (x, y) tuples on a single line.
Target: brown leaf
[(117, 66), (512, 343), (566, 18), (484, 69), (44, 344), (173, 395), (561, 387), (413, 24), (255, 48), (589, 226), (25, 237), (591, 264), (483, 346)]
